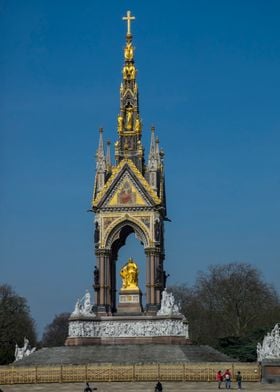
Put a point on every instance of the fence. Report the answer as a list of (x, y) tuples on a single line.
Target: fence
[(135, 372)]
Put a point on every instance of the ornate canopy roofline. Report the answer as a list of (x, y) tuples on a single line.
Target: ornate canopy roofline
[(116, 173)]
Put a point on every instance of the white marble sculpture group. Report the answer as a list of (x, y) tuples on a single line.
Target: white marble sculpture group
[(25, 351), (168, 306), (83, 306), (270, 348)]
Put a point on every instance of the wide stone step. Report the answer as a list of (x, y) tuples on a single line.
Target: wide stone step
[(123, 354)]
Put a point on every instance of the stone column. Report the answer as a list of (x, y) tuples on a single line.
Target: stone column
[(107, 280), (113, 284), (96, 283), (148, 279), (103, 298), (157, 291), (152, 297)]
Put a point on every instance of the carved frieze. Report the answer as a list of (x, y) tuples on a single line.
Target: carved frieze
[(128, 328)]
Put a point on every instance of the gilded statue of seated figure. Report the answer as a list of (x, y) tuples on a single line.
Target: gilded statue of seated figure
[(129, 275)]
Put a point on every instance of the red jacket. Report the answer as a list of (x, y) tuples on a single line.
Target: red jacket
[(227, 375), (219, 376)]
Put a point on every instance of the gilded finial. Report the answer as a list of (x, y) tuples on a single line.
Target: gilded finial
[(128, 18)]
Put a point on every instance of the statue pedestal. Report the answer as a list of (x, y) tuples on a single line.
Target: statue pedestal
[(127, 329), (271, 371), (130, 301)]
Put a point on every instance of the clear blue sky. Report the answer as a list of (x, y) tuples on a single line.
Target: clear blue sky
[(208, 75)]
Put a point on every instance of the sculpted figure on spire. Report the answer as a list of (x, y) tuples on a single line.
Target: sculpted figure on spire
[(129, 72), (128, 51), (120, 123)]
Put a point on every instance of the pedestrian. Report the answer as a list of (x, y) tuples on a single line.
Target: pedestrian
[(239, 380), (219, 378), (87, 388), (158, 387), (227, 378)]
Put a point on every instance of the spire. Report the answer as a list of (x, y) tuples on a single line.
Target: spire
[(100, 157), (108, 155), (129, 123), (100, 164), (157, 151), (154, 155), (154, 166), (152, 160)]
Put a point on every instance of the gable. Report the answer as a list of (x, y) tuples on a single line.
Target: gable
[(127, 194), (126, 188)]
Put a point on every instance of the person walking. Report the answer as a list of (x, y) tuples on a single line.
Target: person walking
[(239, 380), (87, 388), (158, 387), (227, 378), (219, 378)]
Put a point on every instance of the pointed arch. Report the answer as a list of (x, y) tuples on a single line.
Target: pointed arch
[(122, 228)]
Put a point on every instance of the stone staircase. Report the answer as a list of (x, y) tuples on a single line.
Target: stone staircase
[(123, 354)]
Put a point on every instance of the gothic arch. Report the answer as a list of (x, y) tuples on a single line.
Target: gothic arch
[(115, 232)]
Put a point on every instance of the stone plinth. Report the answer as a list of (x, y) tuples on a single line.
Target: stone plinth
[(130, 301), (113, 330), (271, 371)]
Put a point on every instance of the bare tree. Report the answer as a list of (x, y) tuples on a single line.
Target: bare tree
[(238, 297), (15, 323), (56, 332), (230, 300)]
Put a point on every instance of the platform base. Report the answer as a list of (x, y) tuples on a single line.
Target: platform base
[(112, 330)]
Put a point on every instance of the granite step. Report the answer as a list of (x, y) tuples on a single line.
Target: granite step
[(123, 354)]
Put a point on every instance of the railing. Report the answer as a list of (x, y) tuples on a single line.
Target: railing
[(135, 372)]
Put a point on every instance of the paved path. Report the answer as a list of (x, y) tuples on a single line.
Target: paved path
[(136, 387)]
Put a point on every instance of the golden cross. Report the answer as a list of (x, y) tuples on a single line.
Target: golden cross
[(129, 18)]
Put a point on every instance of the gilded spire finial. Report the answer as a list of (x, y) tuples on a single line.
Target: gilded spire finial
[(128, 18), (129, 123)]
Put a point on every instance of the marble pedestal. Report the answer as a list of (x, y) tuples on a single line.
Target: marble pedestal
[(130, 329), (130, 301)]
